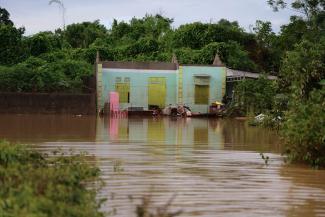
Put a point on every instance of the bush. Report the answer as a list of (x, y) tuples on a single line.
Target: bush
[(51, 74), (33, 184), (304, 130), (254, 96)]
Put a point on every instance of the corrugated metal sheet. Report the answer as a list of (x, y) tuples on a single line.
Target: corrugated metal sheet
[(231, 73)]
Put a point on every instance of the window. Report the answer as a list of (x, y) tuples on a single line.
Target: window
[(202, 94), (126, 80), (123, 90), (118, 79)]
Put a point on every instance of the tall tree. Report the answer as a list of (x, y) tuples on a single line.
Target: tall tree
[(5, 17), (81, 35), (11, 44)]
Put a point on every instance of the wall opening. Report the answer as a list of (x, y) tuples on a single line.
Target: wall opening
[(202, 94), (156, 92), (123, 90)]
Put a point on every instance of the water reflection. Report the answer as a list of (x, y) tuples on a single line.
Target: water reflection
[(221, 134), (42, 128), (213, 166)]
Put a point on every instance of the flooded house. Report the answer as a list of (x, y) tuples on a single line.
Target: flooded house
[(147, 85)]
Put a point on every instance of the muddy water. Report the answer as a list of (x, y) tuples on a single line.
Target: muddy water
[(212, 167)]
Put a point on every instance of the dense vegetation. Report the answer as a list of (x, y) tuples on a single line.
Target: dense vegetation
[(33, 184), (254, 96), (60, 61), (151, 38), (298, 98)]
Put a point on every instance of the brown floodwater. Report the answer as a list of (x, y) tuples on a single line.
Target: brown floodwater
[(212, 167)]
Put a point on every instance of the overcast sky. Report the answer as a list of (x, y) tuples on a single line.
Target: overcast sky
[(38, 15)]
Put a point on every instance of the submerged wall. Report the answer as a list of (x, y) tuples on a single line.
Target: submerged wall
[(46, 103), (145, 85), (138, 79), (216, 82)]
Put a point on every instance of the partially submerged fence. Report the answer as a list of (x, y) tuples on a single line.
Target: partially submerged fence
[(48, 103)]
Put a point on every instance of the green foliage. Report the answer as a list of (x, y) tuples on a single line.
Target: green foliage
[(304, 130), (150, 38), (301, 73), (152, 26), (81, 35), (231, 53), (303, 68), (254, 96), (292, 33), (39, 75), (43, 42), (5, 17), (12, 46), (33, 184)]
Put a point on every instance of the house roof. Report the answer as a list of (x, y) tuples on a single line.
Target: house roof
[(140, 65), (238, 73)]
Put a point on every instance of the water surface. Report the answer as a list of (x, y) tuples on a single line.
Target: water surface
[(212, 166)]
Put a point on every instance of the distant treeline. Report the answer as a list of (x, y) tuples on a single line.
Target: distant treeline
[(57, 61)]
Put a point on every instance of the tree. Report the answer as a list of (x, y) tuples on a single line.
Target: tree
[(303, 69), (43, 42), (311, 10), (306, 7), (292, 33), (268, 53), (255, 96), (81, 35), (12, 47), (5, 17), (304, 130), (264, 33)]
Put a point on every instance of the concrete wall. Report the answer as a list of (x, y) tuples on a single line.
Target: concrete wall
[(217, 85), (44, 103), (180, 84), (138, 85)]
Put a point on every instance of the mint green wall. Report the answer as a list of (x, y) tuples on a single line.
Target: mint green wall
[(217, 80), (139, 85)]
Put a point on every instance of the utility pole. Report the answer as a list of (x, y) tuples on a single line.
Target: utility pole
[(61, 5)]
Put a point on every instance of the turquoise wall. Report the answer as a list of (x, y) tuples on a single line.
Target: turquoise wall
[(217, 82), (139, 85)]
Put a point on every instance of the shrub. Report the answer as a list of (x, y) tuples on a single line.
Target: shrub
[(304, 130), (254, 96), (33, 184), (51, 74)]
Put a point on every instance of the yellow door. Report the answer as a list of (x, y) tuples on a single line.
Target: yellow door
[(157, 91), (123, 90), (202, 94)]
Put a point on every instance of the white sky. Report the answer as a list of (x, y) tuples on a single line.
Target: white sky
[(38, 15)]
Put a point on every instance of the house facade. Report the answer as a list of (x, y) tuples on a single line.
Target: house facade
[(148, 85)]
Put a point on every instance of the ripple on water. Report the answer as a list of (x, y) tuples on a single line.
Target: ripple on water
[(212, 166)]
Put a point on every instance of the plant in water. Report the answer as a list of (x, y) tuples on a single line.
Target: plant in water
[(33, 184), (146, 208), (117, 167), (265, 158)]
